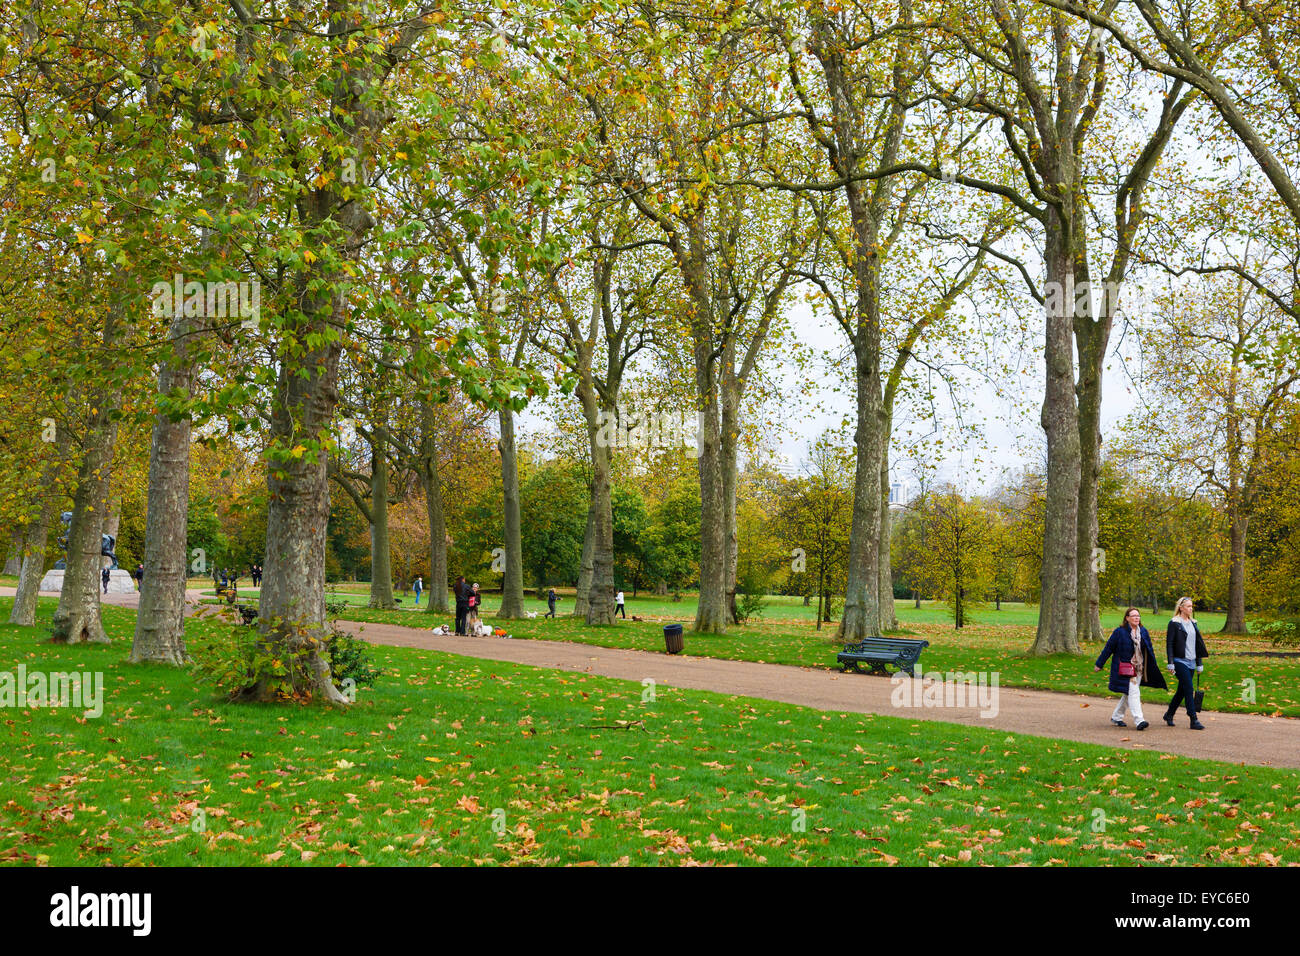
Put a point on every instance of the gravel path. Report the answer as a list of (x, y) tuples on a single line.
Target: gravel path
[(1233, 738)]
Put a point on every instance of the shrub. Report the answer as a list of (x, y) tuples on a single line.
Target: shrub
[(1284, 632), (350, 660), (235, 659), (750, 604)]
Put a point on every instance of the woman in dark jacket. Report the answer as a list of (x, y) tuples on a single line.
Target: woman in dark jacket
[(1184, 650), (1129, 649)]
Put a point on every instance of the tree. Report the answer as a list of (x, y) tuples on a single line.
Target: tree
[(814, 517), (1218, 368), (673, 536), (553, 504), (956, 560), (1047, 96)]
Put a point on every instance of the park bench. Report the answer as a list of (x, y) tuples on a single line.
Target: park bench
[(879, 651)]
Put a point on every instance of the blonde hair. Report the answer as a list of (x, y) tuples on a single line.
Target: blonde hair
[(1178, 608)]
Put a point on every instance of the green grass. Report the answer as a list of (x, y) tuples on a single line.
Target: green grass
[(979, 647), (413, 772)]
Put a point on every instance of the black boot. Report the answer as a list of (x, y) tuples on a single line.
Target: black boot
[(1169, 717), (1197, 725)]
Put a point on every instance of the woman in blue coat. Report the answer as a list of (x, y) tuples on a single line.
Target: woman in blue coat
[(1131, 653)]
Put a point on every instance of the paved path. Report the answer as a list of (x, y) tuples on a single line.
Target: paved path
[(1234, 738)]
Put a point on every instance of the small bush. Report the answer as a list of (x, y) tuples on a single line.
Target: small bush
[(350, 659), (1283, 633), (235, 659)]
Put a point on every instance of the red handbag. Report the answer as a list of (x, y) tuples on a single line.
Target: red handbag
[(1126, 669)]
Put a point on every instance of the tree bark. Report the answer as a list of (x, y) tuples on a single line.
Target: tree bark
[(598, 541), (77, 618), (861, 617), (160, 620), (33, 567), (1058, 611), (14, 563), (600, 604), (291, 614), (582, 600), (381, 568), (512, 585), (884, 568), (711, 612), (1235, 622), (1089, 397), (437, 603), (729, 437)]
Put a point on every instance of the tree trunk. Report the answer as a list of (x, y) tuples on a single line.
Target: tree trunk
[(437, 603), (160, 620), (381, 567), (729, 435), (14, 563), (731, 541), (884, 569), (1236, 619), (711, 613), (112, 523), (581, 600), (600, 607), (33, 567), (77, 619), (512, 585), (1092, 347), (1235, 622), (861, 617), (821, 590), (1058, 617), (292, 602)]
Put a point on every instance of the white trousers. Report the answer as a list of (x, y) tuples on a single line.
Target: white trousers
[(1134, 700)]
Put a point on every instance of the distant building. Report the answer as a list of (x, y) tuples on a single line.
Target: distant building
[(897, 494)]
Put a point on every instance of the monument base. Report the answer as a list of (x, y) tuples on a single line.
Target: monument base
[(119, 582)]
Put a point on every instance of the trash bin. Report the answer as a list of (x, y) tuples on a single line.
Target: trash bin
[(673, 638)]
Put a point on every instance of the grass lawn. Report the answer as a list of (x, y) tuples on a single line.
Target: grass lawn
[(996, 643), (578, 769)]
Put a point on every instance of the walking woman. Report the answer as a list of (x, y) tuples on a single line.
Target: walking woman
[(1184, 649), (1132, 664)]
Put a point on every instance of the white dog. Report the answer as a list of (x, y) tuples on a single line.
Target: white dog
[(484, 630), (442, 630), (532, 614)]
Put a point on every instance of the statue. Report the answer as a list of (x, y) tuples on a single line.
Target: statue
[(107, 545)]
